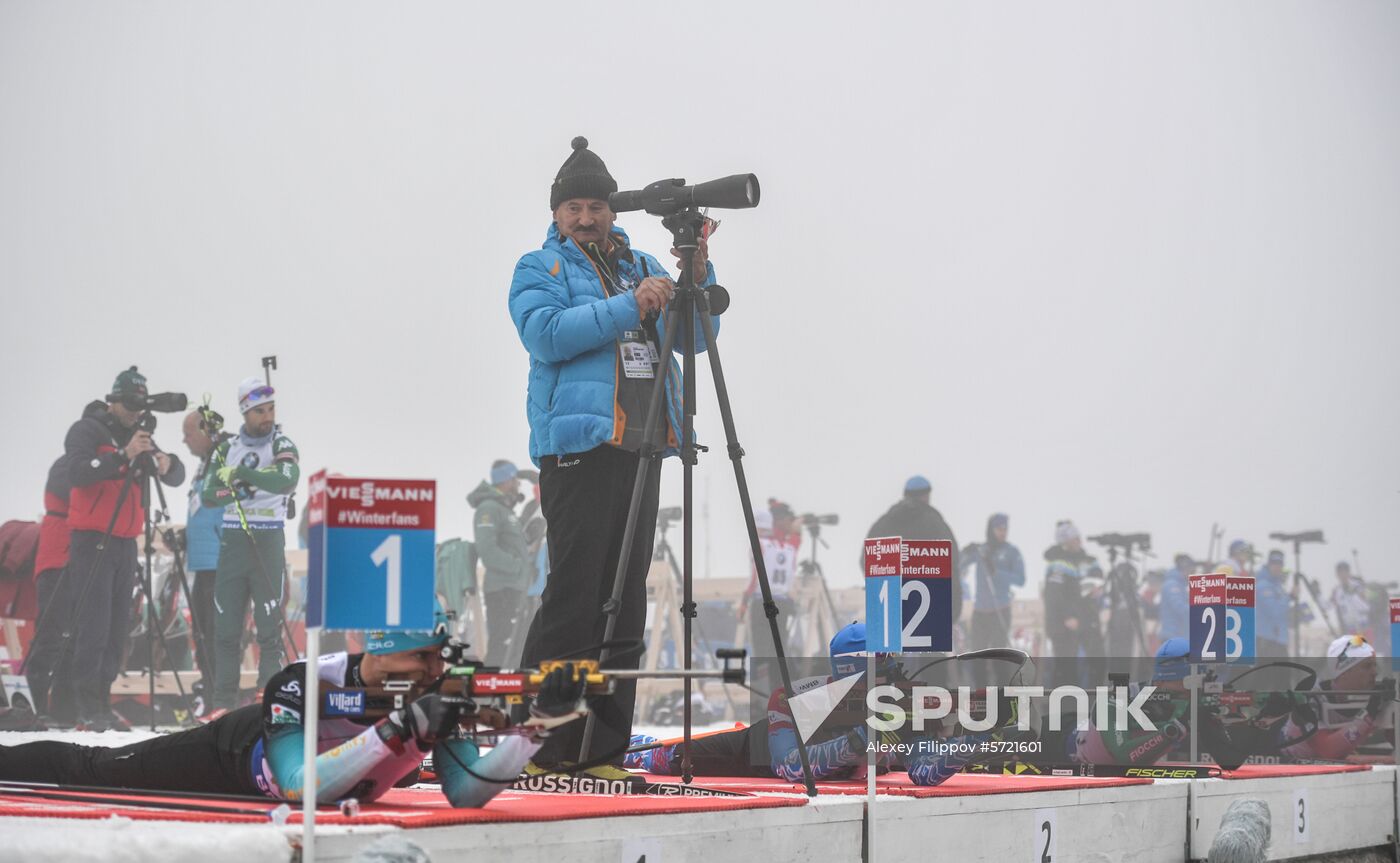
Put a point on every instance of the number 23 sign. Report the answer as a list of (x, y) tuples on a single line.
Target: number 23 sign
[(1222, 617), (908, 595)]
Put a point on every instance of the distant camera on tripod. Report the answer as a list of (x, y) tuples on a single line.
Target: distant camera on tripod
[(669, 514), (1124, 540), (174, 538), (810, 520), (1302, 536)]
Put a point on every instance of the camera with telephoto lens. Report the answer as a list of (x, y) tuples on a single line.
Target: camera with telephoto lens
[(810, 520), (664, 197), (166, 403), (1124, 540)]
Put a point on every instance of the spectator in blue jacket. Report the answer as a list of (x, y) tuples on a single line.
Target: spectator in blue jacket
[(1271, 604), (203, 526), (997, 567), (1171, 607), (590, 309)]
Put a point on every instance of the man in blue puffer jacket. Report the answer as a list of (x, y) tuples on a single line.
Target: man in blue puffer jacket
[(589, 309)]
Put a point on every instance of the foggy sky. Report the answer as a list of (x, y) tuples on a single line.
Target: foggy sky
[(1132, 265)]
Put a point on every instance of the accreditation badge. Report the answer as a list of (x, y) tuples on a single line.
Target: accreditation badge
[(639, 355)]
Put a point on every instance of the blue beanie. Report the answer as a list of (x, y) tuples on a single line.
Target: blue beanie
[(502, 471), (401, 640), (917, 482), (847, 650), (1172, 661)]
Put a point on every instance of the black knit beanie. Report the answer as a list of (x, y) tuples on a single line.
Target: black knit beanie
[(583, 175)]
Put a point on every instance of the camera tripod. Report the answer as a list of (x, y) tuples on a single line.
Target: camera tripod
[(811, 568), (1122, 591), (690, 305), (1297, 539)]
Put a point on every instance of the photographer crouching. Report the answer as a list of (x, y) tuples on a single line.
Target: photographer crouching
[(110, 453)]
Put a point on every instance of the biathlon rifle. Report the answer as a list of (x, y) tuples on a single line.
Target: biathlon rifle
[(481, 693)]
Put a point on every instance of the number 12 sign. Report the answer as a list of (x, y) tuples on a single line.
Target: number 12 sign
[(908, 595), (371, 553)]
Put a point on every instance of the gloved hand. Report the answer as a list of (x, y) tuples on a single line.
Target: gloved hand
[(426, 720), (1385, 695), (559, 693), (225, 474)]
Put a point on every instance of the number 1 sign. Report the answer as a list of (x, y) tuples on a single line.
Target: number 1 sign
[(372, 553), (884, 620)]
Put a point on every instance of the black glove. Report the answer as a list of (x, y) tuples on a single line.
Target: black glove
[(426, 720), (1385, 694), (559, 693)]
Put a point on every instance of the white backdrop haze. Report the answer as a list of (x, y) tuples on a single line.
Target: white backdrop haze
[(1133, 265)]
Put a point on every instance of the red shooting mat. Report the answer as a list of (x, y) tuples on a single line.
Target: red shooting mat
[(404, 807), (1274, 771), (960, 785)]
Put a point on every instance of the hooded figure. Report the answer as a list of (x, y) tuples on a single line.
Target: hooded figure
[(504, 552)]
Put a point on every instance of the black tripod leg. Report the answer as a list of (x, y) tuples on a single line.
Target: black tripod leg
[(153, 612), (736, 455), (688, 458), (201, 647), (645, 460), (699, 629)]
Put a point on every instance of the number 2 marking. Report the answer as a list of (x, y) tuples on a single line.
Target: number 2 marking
[(1208, 618), (391, 551), (911, 588), (1045, 852)]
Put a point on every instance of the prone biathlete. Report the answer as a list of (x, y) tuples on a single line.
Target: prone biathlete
[(258, 749), (1351, 667), (768, 748), (1168, 708)]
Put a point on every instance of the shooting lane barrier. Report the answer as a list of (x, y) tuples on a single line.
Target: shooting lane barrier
[(971, 817)]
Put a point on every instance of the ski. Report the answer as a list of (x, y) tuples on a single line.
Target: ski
[(270, 813), (1151, 771), (560, 783), (6, 786)]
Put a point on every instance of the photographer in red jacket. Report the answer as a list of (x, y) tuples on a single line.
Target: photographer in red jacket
[(103, 449)]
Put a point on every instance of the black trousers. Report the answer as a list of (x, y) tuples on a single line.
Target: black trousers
[(211, 758), (502, 607), (585, 499), (101, 621), (205, 620), (47, 670)]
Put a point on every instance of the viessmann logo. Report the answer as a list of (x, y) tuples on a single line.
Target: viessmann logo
[(368, 494), (506, 683)]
